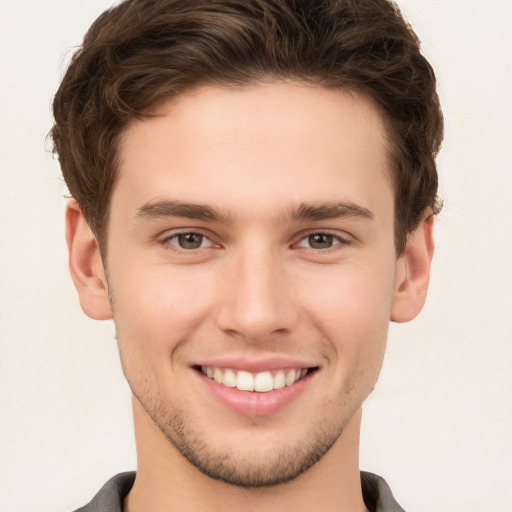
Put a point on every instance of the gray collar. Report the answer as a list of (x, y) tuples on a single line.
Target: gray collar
[(376, 493)]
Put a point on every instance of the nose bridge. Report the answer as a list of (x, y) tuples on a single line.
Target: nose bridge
[(258, 301)]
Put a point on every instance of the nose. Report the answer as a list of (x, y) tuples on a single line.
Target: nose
[(257, 302)]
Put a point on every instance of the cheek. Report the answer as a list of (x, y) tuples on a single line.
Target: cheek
[(352, 312), (160, 296), (163, 315), (356, 296), (155, 313)]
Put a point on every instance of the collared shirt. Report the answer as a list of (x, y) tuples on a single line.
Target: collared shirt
[(376, 494)]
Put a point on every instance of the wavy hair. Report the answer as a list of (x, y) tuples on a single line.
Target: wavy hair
[(141, 52)]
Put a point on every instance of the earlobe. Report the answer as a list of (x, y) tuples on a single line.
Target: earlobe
[(413, 272), (85, 265)]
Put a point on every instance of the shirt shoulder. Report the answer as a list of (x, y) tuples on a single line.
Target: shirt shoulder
[(111, 496), (377, 495)]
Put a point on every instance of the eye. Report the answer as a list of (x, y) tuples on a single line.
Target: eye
[(188, 241), (320, 241)]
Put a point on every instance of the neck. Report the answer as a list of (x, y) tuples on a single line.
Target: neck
[(167, 482)]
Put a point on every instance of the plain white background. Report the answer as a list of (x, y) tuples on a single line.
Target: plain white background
[(438, 426)]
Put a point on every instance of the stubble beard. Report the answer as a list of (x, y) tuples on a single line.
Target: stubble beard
[(250, 469)]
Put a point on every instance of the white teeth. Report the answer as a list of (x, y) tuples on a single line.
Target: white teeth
[(245, 381), (229, 379), (218, 375), (261, 382), (279, 380), (290, 378)]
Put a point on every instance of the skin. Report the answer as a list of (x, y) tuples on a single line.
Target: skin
[(254, 155)]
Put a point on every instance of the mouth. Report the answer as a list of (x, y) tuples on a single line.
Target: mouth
[(257, 387), (260, 382)]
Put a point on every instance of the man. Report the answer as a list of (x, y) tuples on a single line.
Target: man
[(254, 186)]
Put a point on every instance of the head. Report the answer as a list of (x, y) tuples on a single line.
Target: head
[(143, 52), (259, 178)]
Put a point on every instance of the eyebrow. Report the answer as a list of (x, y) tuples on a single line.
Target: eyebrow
[(326, 211), (301, 212), (165, 208)]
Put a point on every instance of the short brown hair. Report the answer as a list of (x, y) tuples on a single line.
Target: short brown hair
[(143, 51)]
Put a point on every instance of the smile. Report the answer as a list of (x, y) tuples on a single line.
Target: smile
[(261, 382)]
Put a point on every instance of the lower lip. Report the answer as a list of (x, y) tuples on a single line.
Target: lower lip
[(253, 403)]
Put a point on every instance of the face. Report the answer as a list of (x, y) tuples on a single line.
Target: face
[(252, 269)]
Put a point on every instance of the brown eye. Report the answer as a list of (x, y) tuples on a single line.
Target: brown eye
[(187, 242), (320, 241), (190, 240)]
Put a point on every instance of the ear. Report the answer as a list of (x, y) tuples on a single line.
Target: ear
[(413, 272), (85, 265)]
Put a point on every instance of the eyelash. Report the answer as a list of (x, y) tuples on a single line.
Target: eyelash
[(167, 241), (339, 241)]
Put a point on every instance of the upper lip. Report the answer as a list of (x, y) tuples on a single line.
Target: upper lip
[(256, 365)]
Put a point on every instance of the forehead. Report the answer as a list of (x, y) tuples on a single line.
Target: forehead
[(256, 147)]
